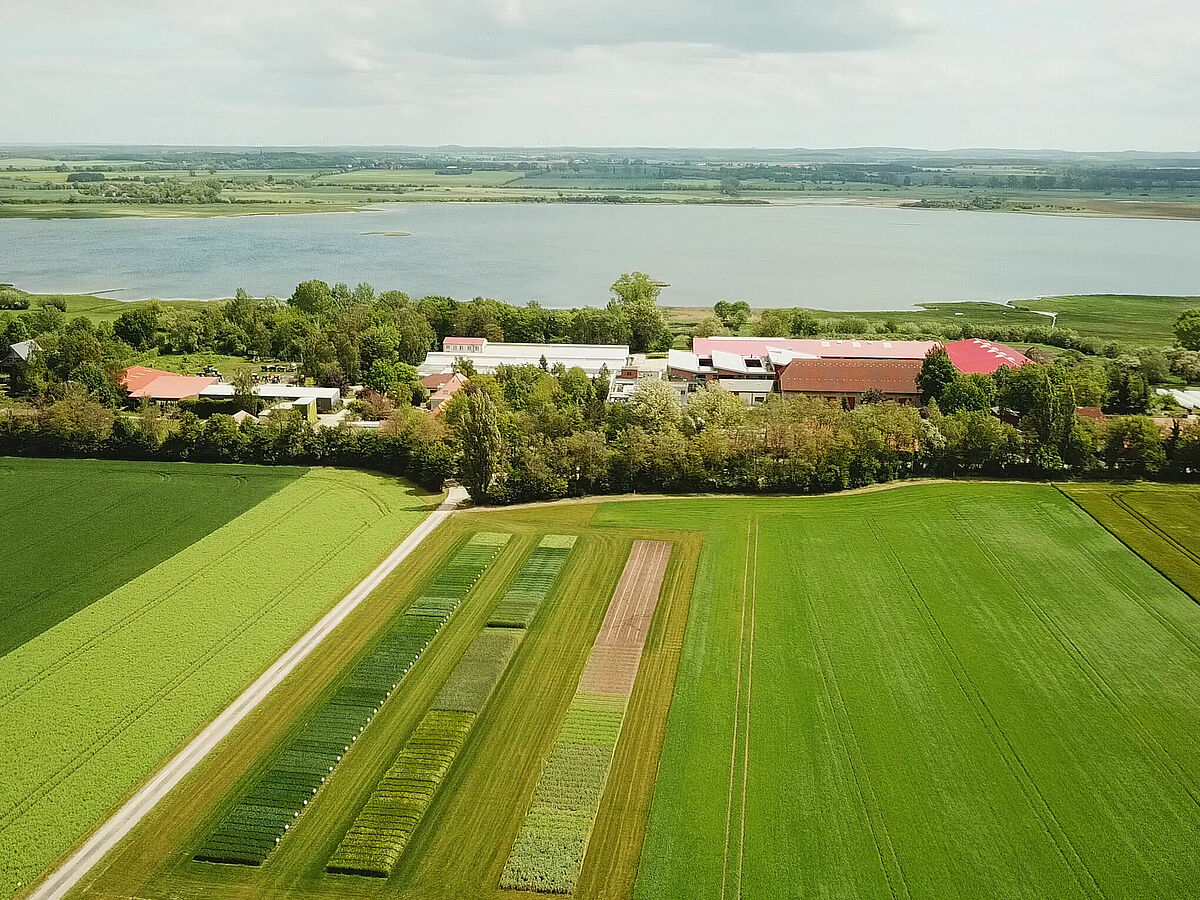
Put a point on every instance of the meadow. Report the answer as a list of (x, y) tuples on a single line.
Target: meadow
[(105, 695), (78, 530), (934, 691)]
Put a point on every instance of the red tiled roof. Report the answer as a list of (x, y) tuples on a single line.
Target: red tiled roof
[(980, 357), (825, 348), (436, 380), (470, 341), (851, 376), (173, 387), (137, 377)]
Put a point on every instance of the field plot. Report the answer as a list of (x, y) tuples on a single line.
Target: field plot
[(1160, 523), (550, 848), (421, 795), (932, 692), (251, 830), (76, 530), (91, 706)]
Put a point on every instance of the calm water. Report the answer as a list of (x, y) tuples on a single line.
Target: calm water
[(840, 257)]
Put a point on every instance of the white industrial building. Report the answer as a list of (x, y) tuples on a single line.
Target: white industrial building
[(325, 399), (486, 356)]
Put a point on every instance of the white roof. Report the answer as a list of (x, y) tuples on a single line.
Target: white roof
[(748, 385), (1189, 399), (729, 362), (277, 392), (685, 361), (589, 357)]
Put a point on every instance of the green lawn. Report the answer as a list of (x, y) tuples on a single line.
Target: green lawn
[(936, 691), (76, 530), (89, 708)]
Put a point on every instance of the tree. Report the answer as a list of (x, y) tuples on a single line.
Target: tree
[(137, 327), (1133, 446), (714, 407), (415, 336), (635, 296), (774, 323), (1187, 329), (312, 297), (654, 405), (243, 389), (709, 326), (732, 315), (937, 372), (482, 443), (968, 392)]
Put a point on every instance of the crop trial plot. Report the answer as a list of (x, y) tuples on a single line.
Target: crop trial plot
[(550, 848), (249, 832), (380, 833)]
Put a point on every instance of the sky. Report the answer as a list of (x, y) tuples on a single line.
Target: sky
[(938, 74)]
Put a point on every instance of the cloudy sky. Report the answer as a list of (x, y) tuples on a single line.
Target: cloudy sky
[(1070, 74)]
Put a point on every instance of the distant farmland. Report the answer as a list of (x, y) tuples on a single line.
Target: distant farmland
[(147, 595), (929, 692)]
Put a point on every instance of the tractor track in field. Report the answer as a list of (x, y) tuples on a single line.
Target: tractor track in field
[(736, 718), (1024, 778), (60, 881), (1089, 671), (749, 703), (851, 749)]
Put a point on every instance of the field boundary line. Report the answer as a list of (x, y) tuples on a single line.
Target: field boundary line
[(121, 822), (749, 702), (991, 724), (737, 702), (1155, 613)]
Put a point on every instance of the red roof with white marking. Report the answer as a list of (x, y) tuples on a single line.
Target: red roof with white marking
[(979, 357)]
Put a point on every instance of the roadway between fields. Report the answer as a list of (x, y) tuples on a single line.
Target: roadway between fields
[(124, 819)]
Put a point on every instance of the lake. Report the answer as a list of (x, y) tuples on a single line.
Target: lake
[(831, 256)]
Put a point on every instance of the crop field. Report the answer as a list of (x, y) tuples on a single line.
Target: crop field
[(1160, 523), (935, 691), (89, 707), (74, 531)]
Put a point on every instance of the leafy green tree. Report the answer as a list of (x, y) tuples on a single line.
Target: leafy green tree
[(482, 443), (1134, 446), (137, 327), (969, 392), (654, 405), (1187, 329), (805, 324), (715, 408), (315, 298), (414, 334), (709, 326), (732, 315), (635, 296), (599, 326), (774, 323), (937, 373)]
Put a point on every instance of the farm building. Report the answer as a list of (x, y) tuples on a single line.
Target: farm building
[(17, 356), (326, 399), (163, 387), (980, 357), (752, 368), (846, 380), (486, 356)]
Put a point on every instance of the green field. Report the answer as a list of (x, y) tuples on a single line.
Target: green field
[(77, 530), (89, 707), (907, 693), (1161, 523)]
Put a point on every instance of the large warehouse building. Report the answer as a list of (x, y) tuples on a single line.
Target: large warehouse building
[(486, 356)]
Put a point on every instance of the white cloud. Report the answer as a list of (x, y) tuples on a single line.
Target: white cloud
[(1074, 73)]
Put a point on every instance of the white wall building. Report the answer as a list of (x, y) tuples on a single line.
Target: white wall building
[(486, 356)]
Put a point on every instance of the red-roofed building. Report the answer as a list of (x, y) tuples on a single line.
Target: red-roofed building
[(980, 357), (825, 348), (163, 387), (463, 344), (441, 386), (846, 380)]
